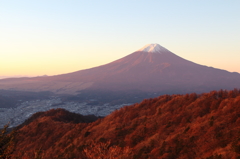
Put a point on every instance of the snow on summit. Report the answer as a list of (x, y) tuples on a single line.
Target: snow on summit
[(153, 48)]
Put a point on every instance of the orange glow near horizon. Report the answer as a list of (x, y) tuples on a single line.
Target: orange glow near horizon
[(24, 67)]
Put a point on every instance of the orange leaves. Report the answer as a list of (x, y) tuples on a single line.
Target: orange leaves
[(107, 151), (177, 126)]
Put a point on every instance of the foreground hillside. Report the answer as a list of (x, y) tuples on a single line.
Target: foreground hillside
[(178, 126)]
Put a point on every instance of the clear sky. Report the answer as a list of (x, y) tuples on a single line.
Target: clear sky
[(48, 37)]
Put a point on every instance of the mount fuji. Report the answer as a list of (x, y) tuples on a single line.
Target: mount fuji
[(152, 68)]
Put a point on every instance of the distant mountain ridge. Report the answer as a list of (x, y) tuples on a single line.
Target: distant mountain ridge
[(153, 68)]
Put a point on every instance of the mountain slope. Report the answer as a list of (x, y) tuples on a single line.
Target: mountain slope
[(177, 126), (150, 69)]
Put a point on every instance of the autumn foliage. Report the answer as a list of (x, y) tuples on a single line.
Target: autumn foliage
[(7, 143), (170, 126)]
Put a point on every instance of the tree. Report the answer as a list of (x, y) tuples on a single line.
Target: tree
[(6, 143), (106, 151)]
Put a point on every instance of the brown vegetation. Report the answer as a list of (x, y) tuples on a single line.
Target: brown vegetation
[(6, 143), (178, 126)]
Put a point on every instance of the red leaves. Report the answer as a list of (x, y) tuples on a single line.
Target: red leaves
[(177, 126)]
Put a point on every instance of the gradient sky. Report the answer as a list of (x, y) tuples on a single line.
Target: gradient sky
[(48, 37)]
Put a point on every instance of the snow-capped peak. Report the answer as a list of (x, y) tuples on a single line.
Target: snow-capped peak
[(153, 48)]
